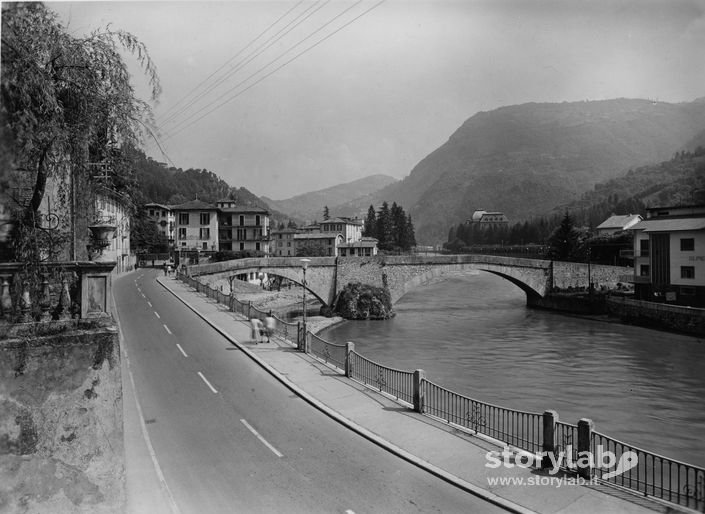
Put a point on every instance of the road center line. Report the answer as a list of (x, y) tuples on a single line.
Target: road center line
[(182, 351), (207, 382), (167, 330), (264, 441), (157, 314), (149, 303)]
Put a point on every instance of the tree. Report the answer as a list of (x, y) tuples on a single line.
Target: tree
[(67, 102), (564, 241), (369, 228), (326, 213), (384, 227)]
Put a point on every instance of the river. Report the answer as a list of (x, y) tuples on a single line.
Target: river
[(473, 334)]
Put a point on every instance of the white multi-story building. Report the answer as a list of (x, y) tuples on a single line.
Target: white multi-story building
[(163, 217), (196, 226), (669, 255)]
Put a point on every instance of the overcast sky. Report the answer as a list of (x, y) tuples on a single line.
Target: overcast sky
[(390, 87)]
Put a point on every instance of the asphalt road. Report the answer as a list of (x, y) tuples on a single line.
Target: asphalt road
[(230, 438)]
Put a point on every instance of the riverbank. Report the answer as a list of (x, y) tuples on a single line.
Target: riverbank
[(283, 302)]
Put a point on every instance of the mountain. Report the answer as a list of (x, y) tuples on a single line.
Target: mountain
[(309, 206), (527, 159)]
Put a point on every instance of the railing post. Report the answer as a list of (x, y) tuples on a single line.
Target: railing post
[(585, 428), (419, 375), (299, 345), (349, 348), (550, 418)]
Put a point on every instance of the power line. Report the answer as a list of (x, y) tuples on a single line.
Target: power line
[(232, 58), (181, 129), (256, 53)]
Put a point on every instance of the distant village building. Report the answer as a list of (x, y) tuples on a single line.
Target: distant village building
[(365, 247), (487, 219), (669, 255), (617, 223), (282, 243), (324, 244), (163, 217), (196, 226), (242, 228)]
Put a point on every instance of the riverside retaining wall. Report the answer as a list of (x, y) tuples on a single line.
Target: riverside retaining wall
[(658, 315)]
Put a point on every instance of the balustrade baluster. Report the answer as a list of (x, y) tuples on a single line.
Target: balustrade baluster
[(65, 300), (5, 301)]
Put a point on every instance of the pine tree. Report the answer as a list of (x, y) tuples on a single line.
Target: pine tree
[(369, 229), (384, 227), (326, 213)]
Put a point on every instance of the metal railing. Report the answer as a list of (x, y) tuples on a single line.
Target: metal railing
[(329, 352), (566, 441), (651, 474), (516, 428), (395, 382)]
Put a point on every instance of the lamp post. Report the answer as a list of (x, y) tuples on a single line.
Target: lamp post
[(589, 271), (304, 265)]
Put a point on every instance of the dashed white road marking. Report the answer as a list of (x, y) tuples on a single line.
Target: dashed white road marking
[(264, 441), (149, 303), (182, 351), (207, 382), (167, 330), (157, 314)]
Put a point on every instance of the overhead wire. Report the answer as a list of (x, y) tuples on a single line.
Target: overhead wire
[(195, 88), (256, 53), (178, 129)]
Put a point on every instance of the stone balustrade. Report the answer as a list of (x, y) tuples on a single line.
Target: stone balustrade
[(53, 292)]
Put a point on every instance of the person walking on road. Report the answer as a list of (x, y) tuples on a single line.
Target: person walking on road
[(269, 324), (256, 326)]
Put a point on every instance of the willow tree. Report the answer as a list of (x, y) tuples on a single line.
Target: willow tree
[(66, 102)]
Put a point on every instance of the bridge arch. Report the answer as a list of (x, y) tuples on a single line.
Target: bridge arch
[(327, 276)]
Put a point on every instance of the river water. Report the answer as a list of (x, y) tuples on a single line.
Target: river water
[(473, 334)]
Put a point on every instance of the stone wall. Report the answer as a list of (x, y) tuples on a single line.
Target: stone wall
[(658, 315), (574, 275), (61, 431)]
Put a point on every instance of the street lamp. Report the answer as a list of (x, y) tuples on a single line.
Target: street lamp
[(304, 265)]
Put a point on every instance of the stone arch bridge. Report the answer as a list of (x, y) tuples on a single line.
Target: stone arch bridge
[(327, 276)]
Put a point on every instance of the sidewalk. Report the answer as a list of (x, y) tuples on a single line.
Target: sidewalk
[(453, 455)]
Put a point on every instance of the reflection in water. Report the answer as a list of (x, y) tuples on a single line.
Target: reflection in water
[(473, 334)]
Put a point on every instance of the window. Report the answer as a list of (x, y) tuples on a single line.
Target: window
[(242, 246), (205, 246), (182, 233), (687, 244), (204, 233), (205, 218), (644, 247), (687, 271), (257, 220), (151, 212), (257, 247), (644, 270), (242, 221), (183, 218), (241, 234)]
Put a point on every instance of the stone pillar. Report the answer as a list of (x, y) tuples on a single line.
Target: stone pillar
[(550, 417), (585, 428), (419, 375), (349, 348)]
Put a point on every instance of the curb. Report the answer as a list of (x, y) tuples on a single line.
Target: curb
[(360, 430)]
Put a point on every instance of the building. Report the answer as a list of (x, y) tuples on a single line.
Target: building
[(113, 208), (196, 226), (318, 244), (487, 219), (349, 228), (282, 242), (163, 217), (617, 223), (365, 247), (669, 255), (242, 228)]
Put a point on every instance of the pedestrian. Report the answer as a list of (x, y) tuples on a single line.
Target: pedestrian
[(269, 325), (166, 268), (256, 326)]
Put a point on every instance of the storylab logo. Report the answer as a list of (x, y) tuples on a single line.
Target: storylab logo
[(603, 459)]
